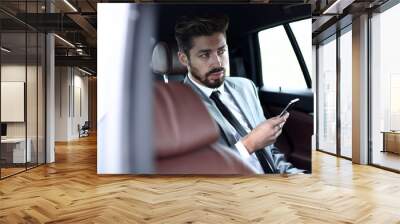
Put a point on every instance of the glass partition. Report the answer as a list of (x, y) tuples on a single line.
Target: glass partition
[(32, 84), (41, 109), (327, 96), (22, 88), (31, 100), (14, 154)]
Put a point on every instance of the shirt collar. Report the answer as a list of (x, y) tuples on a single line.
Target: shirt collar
[(206, 90)]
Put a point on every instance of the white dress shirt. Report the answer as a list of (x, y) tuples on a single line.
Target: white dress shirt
[(227, 99)]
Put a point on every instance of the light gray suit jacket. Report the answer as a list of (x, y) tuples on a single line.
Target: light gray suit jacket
[(245, 95)]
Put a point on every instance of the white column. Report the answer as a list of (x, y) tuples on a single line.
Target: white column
[(360, 90), (50, 99), (50, 92)]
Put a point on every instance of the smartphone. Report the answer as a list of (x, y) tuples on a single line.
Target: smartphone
[(289, 106)]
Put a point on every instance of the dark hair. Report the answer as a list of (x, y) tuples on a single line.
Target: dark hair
[(188, 27)]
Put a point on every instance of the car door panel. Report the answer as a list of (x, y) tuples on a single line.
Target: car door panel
[(295, 140)]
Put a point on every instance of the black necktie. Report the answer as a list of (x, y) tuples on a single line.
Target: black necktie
[(261, 155)]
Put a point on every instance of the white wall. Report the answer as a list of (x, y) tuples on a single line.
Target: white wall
[(61, 103), (71, 93), (80, 83)]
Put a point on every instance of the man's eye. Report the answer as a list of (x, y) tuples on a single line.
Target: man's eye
[(222, 51), (204, 55)]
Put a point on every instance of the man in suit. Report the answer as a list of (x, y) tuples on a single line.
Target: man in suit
[(232, 101)]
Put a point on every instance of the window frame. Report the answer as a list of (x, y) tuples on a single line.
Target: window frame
[(335, 36)]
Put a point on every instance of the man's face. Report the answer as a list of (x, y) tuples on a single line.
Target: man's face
[(209, 61)]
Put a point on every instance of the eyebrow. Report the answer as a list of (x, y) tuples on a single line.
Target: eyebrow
[(209, 50), (220, 48)]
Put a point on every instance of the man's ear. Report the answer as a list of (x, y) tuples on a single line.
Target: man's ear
[(183, 58)]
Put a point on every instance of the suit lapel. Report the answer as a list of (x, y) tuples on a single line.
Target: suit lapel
[(238, 97), (217, 115)]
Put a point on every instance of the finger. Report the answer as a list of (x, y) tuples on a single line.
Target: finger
[(286, 116), (278, 133), (276, 129), (282, 122), (277, 120)]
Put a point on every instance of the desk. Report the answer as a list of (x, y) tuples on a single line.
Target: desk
[(15, 148), (391, 141)]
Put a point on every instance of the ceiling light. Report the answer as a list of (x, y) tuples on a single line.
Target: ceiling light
[(65, 41), (337, 7), (80, 51), (70, 5), (5, 50), (84, 71)]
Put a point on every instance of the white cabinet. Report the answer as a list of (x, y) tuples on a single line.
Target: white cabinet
[(17, 146)]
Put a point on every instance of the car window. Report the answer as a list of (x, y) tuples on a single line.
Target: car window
[(302, 31), (280, 67)]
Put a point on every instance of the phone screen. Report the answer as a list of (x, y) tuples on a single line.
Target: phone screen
[(289, 106)]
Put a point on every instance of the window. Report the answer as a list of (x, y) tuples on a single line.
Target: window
[(327, 96), (280, 67), (385, 86), (302, 31), (346, 94)]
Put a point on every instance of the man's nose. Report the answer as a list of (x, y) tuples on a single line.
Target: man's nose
[(216, 60)]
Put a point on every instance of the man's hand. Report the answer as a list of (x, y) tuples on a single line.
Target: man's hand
[(264, 134)]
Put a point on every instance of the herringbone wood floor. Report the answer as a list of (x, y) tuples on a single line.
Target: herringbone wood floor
[(70, 191)]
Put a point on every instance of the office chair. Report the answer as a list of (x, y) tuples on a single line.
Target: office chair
[(84, 130)]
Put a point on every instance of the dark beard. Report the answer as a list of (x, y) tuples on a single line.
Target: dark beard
[(215, 83)]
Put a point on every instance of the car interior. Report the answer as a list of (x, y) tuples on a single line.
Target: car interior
[(183, 143), (246, 22)]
